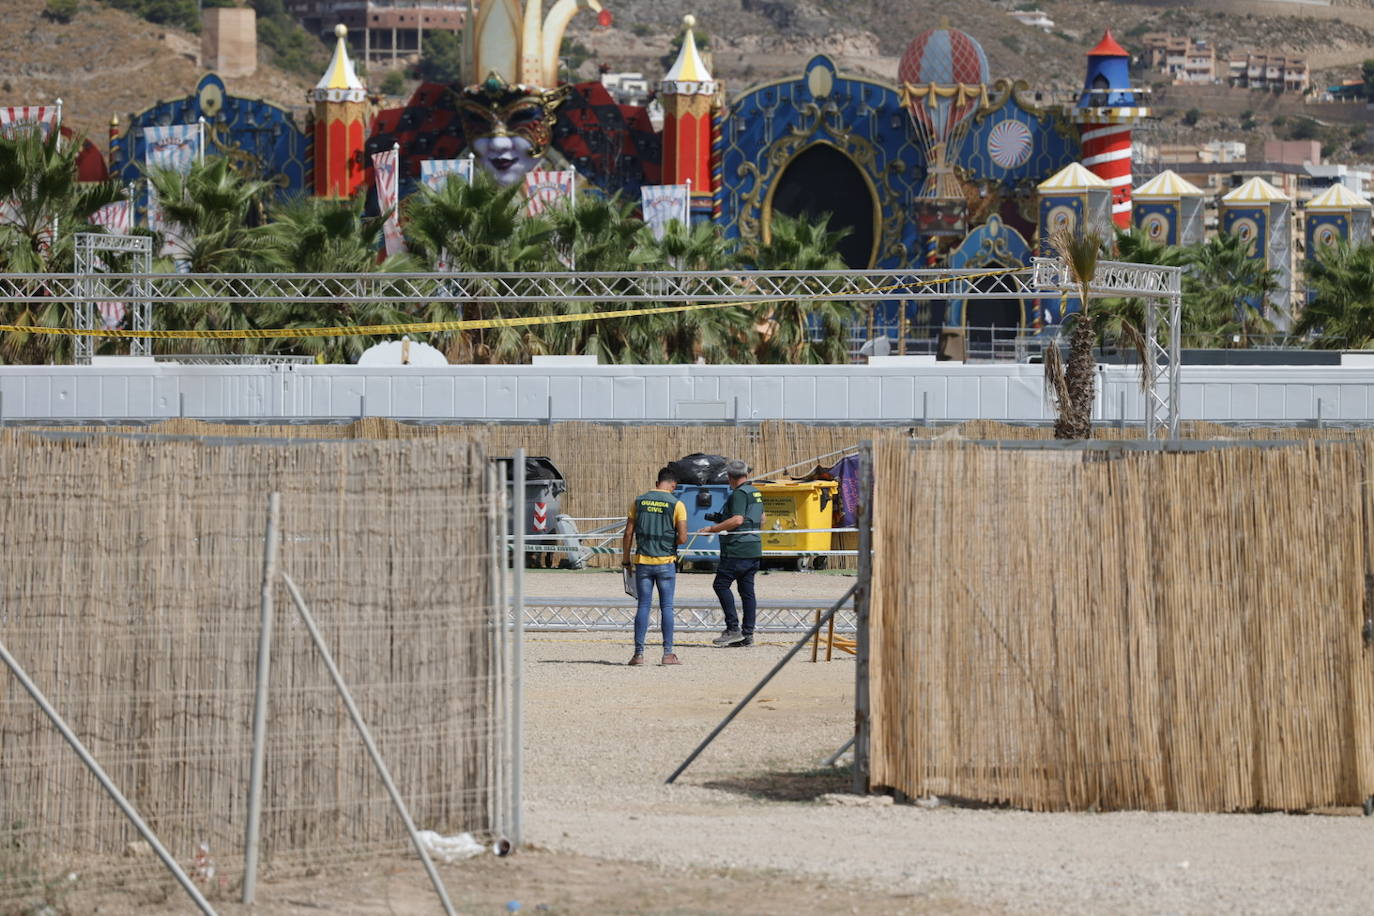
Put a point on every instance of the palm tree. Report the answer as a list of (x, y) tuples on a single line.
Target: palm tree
[(1133, 246), (597, 235), (1340, 308), (44, 207), (309, 235), (214, 206), (480, 227), (1073, 385), (1222, 291), (797, 331), (723, 335)]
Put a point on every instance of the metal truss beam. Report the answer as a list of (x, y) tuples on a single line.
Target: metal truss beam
[(589, 288), (88, 288), (694, 616), (1162, 289)]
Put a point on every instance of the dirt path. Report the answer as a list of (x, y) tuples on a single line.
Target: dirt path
[(746, 831), (602, 737)]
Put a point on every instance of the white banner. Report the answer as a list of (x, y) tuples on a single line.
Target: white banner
[(386, 168), (434, 173), (16, 118), (664, 203), (175, 147), (46, 118), (117, 219), (547, 188)]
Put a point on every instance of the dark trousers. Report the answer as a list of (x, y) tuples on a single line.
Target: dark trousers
[(741, 572)]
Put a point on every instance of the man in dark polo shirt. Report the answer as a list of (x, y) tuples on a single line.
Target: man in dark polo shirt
[(741, 551)]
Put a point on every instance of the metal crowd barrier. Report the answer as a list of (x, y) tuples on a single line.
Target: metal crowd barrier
[(691, 615)]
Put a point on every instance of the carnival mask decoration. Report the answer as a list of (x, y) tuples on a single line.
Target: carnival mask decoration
[(508, 127)]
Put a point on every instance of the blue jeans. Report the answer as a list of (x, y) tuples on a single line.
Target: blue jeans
[(647, 576), (739, 571)]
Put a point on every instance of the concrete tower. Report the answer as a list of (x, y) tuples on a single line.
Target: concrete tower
[(689, 97), (1106, 111), (340, 124)]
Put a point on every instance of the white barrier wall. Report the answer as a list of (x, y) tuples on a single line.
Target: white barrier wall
[(943, 391)]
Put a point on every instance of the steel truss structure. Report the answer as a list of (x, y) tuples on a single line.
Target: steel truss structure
[(692, 616), (1162, 290), (1046, 278), (87, 288), (637, 288)]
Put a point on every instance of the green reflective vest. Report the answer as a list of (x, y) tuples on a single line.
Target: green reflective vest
[(747, 502), (655, 535)]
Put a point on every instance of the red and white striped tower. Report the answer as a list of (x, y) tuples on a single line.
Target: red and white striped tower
[(1106, 111), (689, 94)]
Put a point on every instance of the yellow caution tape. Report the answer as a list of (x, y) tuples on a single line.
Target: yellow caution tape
[(434, 327)]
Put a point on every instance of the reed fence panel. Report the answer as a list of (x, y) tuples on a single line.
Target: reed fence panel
[(132, 575), (1064, 629)]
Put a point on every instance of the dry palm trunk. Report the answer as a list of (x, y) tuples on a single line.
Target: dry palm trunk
[(1075, 420)]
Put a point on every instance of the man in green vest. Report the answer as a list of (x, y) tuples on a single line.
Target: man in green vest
[(741, 552), (655, 527)]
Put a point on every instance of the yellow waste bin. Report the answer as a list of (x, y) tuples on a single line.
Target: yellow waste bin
[(797, 505)]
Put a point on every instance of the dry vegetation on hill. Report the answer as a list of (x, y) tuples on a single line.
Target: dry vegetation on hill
[(107, 62)]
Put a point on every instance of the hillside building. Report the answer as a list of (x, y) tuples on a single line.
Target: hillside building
[(1186, 60), (381, 29), (1269, 72)]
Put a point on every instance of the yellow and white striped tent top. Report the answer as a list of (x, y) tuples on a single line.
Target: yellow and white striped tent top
[(1167, 185), (1073, 177), (1337, 198), (340, 75), (1255, 191)]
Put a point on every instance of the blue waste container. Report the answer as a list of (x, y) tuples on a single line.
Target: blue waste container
[(701, 499)]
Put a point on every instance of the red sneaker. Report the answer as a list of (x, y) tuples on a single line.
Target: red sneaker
[(636, 660), (670, 659)]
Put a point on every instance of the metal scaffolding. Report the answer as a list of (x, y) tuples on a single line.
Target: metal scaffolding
[(647, 287), (1162, 290), (1159, 286), (92, 284)]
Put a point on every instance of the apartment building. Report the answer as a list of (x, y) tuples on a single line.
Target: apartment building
[(1269, 72), (1186, 60), (381, 29)]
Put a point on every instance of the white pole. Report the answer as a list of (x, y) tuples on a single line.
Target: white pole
[(520, 516), (58, 126), (255, 777), (366, 735), (503, 635), (200, 147), (96, 770)]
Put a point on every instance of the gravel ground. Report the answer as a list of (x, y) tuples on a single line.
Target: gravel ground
[(770, 585), (602, 737), (756, 826)]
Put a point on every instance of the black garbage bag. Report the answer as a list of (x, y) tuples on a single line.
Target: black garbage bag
[(700, 469)]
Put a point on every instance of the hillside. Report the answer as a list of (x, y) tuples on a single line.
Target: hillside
[(108, 62), (755, 40)]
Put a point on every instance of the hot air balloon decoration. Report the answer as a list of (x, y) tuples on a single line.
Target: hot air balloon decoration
[(944, 76)]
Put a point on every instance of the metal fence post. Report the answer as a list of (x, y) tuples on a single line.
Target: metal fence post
[(363, 732), (519, 518), (106, 783), (862, 592), (504, 623), (253, 831)]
